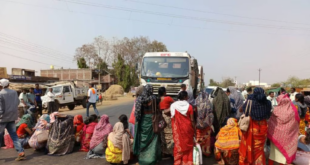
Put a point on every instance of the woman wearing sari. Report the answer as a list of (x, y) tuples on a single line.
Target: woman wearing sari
[(228, 142), (132, 119), (221, 109), (99, 141), (183, 128), (251, 149), (24, 129), (119, 142), (88, 131), (302, 108), (78, 125), (42, 125), (166, 135), (204, 123), (283, 132), (146, 142)]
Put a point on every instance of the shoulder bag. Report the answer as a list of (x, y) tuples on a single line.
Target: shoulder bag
[(244, 121), (158, 121)]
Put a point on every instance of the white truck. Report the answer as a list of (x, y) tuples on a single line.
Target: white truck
[(171, 70), (66, 94)]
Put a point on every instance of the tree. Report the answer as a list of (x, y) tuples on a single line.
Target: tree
[(292, 82), (276, 85), (82, 63), (213, 83), (88, 52), (102, 64), (227, 82), (122, 72)]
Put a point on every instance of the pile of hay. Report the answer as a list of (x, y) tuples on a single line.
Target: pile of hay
[(115, 90)]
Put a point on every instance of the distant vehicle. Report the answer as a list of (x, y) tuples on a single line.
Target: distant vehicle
[(66, 94), (209, 90)]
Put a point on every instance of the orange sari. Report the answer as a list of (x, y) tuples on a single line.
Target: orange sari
[(251, 151), (204, 139)]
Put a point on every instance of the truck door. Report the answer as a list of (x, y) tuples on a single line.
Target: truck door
[(68, 94)]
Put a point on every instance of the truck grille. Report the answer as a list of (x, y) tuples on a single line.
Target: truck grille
[(170, 89)]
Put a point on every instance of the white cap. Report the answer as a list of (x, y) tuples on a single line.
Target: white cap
[(4, 82)]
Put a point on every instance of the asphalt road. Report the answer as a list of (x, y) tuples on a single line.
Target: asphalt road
[(38, 158)]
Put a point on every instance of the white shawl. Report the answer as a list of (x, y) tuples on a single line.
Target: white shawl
[(180, 106)]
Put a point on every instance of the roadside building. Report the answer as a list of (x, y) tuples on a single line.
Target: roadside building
[(257, 83), (82, 77)]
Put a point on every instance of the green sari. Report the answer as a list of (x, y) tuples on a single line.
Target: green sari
[(146, 142)]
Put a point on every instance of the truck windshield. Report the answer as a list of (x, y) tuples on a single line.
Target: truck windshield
[(165, 67), (56, 90)]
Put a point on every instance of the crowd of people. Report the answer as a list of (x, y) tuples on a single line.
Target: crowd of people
[(237, 127)]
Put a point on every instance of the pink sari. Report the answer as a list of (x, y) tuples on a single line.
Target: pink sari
[(283, 128)]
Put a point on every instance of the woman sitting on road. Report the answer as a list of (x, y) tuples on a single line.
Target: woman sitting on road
[(119, 143), (78, 125), (228, 142), (303, 153), (42, 125), (24, 129), (166, 135), (88, 131), (99, 141)]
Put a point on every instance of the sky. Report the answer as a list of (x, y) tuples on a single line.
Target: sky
[(229, 38)]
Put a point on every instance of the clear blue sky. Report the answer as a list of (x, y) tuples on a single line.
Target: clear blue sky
[(229, 38)]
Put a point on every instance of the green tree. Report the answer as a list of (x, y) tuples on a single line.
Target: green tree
[(102, 64), (276, 85), (227, 82), (81, 62), (213, 83), (122, 72)]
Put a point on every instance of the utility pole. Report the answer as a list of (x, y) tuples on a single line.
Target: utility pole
[(259, 70)]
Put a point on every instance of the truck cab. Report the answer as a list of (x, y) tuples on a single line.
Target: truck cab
[(67, 94)]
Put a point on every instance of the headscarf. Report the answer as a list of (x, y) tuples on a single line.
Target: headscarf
[(121, 140), (221, 108), (145, 97), (78, 122), (27, 119), (53, 116), (4, 82), (45, 117), (237, 96), (228, 137), (205, 116), (261, 107), (102, 129), (180, 106), (40, 124), (283, 128)]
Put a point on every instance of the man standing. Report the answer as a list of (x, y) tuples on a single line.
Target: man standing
[(31, 97), (24, 100), (38, 94), (191, 99), (272, 99), (293, 94), (91, 100), (8, 114), (50, 101)]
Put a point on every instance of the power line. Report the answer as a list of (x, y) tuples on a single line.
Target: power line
[(24, 58), (183, 16), (151, 22), (201, 11)]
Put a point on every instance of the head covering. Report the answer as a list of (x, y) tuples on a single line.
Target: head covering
[(228, 137), (261, 107), (102, 129), (4, 82), (237, 96), (283, 128), (145, 97), (53, 117), (205, 116), (40, 124), (27, 119), (78, 123), (221, 108), (180, 106), (45, 117), (139, 90)]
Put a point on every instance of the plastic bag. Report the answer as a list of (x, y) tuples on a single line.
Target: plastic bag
[(197, 155)]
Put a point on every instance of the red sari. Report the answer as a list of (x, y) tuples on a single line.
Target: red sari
[(251, 151), (88, 131), (183, 134)]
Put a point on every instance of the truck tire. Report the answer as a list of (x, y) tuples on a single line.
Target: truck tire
[(57, 106), (71, 107), (84, 103)]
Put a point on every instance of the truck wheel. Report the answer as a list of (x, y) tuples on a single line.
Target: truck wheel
[(84, 103), (71, 107), (57, 106)]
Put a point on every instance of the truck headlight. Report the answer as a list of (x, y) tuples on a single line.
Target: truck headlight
[(143, 82)]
